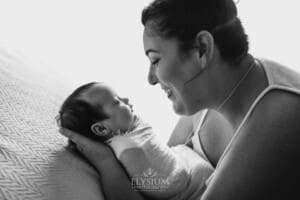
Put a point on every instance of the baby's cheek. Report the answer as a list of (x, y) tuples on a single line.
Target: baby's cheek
[(122, 119), (125, 120)]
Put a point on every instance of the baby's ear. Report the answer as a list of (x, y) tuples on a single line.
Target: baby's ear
[(100, 129)]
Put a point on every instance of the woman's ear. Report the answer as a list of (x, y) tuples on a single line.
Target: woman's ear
[(205, 48), (100, 129)]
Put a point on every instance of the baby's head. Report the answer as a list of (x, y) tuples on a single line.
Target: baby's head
[(96, 111)]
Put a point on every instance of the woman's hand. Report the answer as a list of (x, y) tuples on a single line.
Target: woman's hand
[(94, 151), (114, 181)]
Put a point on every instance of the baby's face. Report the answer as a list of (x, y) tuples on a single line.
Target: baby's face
[(119, 111)]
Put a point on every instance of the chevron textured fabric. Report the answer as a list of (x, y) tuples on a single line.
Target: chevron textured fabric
[(34, 160)]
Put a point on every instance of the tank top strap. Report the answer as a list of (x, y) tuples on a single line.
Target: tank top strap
[(279, 78), (198, 121)]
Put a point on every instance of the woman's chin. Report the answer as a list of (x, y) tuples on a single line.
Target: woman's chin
[(182, 110), (178, 109)]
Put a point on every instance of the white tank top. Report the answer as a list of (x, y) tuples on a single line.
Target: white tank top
[(198, 120), (278, 76)]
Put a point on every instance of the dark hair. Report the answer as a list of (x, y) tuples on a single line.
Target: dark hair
[(183, 19), (78, 115)]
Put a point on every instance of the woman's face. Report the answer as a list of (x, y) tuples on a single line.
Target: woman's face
[(171, 69)]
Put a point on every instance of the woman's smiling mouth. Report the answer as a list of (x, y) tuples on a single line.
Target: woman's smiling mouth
[(168, 91)]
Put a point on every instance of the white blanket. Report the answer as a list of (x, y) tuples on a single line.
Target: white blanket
[(158, 170), (34, 163)]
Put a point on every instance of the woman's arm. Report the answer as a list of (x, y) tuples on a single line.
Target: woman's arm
[(114, 181), (263, 160)]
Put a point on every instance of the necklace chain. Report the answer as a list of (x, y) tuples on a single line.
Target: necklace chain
[(236, 87)]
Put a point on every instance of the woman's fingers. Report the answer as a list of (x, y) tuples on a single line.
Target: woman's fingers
[(69, 134), (83, 144), (91, 149), (80, 141)]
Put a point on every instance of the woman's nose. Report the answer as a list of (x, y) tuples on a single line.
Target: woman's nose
[(152, 79), (126, 100)]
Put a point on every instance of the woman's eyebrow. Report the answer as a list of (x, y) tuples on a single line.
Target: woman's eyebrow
[(151, 51)]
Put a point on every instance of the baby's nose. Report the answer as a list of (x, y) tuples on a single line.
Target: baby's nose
[(126, 101)]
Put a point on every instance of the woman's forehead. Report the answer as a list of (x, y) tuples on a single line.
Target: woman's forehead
[(150, 41), (157, 44), (150, 31)]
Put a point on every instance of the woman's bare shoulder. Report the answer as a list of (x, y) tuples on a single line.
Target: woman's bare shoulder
[(278, 109), (276, 117), (265, 148)]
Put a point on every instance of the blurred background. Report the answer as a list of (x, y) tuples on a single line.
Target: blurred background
[(96, 40)]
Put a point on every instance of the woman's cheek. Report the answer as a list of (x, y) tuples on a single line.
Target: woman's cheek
[(165, 74), (161, 76)]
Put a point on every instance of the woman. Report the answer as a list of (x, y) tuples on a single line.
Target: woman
[(198, 52)]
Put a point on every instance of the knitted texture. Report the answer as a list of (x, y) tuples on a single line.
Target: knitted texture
[(34, 160)]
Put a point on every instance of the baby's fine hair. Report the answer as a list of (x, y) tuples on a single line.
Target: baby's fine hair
[(78, 115)]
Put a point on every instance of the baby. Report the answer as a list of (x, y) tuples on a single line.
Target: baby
[(158, 171)]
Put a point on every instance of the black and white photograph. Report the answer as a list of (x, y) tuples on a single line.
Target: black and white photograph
[(149, 99)]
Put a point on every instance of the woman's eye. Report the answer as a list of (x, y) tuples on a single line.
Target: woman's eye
[(155, 62)]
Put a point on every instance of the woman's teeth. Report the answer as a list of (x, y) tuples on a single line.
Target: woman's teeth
[(169, 92)]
